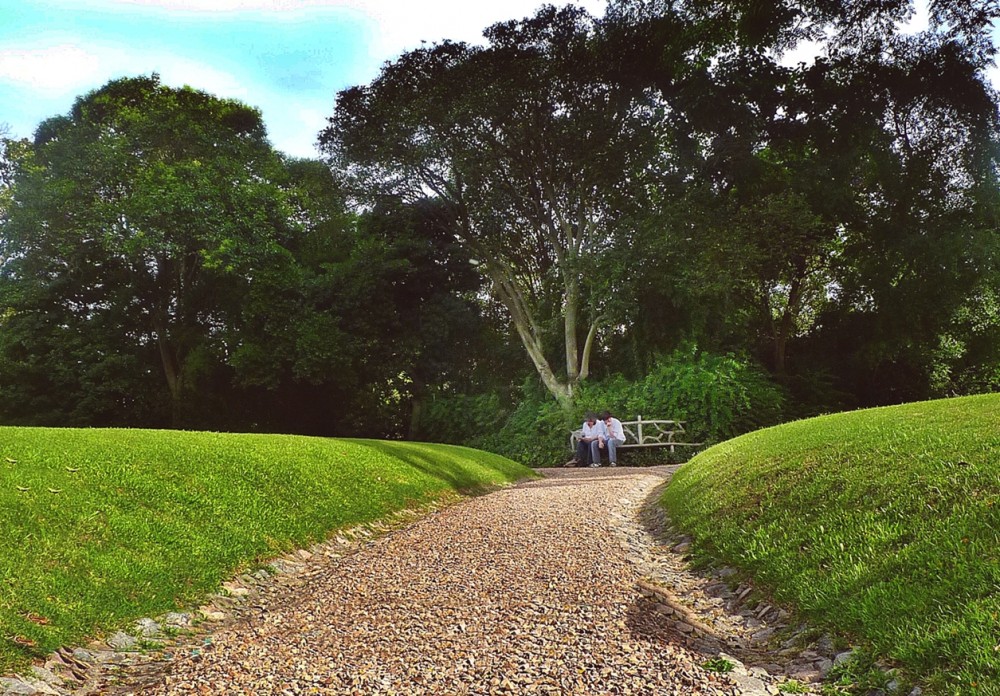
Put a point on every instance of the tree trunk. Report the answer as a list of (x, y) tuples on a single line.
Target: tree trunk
[(416, 409), (588, 347), (528, 332), (571, 308), (173, 374), (783, 330)]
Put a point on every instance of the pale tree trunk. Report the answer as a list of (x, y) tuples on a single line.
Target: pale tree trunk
[(567, 241), (529, 333), (588, 347), (577, 365), (571, 309)]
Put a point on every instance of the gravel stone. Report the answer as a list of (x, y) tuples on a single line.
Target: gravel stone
[(177, 619), (843, 657), (147, 628), (16, 687)]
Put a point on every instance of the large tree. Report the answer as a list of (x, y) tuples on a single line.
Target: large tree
[(862, 183), (537, 154), (146, 211)]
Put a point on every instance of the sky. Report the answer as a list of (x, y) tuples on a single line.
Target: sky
[(289, 58)]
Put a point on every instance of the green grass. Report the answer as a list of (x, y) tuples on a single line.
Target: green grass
[(881, 524), (119, 524)]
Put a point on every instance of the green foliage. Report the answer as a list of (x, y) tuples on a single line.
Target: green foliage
[(165, 266), (463, 418), (881, 524), (138, 221), (718, 397), (718, 664), (101, 527), (461, 123)]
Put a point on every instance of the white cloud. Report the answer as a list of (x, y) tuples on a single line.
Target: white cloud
[(293, 131), (68, 69), (398, 25), (52, 69), (50, 77), (232, 5), (178, 72)]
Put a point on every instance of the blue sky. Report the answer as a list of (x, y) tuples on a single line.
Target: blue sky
[(287, 57)]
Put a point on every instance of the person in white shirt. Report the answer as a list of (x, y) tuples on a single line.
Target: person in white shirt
[(613, 438), (589, 442)]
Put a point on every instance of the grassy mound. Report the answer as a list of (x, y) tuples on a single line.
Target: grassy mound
[(883, 524), (99, 527)]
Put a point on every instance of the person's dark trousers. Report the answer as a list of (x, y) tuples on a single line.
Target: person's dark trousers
[(582, 453)]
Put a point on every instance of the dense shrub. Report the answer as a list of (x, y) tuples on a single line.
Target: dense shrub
[(718, 396), (463, 418)]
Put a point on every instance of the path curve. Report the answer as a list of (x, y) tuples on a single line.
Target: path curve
[(524, 590)]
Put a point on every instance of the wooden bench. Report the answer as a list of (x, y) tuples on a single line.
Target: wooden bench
[(646, 433)]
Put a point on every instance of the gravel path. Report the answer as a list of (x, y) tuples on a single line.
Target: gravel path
[(525, 590)]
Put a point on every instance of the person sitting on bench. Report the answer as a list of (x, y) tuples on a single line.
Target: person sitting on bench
[(587, 446), (613, 438)]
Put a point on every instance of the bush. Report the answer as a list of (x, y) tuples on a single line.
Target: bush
[(718, 396), (463, 418)]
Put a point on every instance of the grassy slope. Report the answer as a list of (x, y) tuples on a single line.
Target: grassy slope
[(146, 521), (884, 524)]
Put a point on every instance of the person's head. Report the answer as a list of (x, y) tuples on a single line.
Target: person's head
[(606, 416), (591, 417)]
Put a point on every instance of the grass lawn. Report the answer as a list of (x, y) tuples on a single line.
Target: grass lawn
[(882, 524), (100, 527)]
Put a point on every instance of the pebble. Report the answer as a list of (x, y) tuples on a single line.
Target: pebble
[(16, 687), (177, 619), (123, 641), (148, 628)]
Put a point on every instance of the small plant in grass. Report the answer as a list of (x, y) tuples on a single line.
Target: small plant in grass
[(718, 664), (793, 687)]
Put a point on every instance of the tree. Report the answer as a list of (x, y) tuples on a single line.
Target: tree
[(534, 151), (860, 184), (146, 211)]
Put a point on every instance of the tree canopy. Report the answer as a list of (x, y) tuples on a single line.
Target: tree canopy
[(577, 199), (537, 155)]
